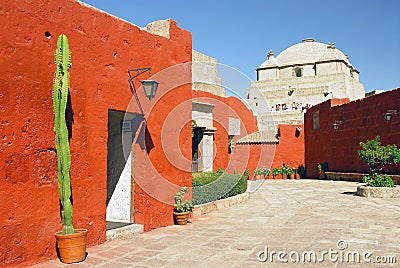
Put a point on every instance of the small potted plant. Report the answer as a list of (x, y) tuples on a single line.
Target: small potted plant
[(291, 173), (266, 172), (321, 170), (257, 174), (301, 170), (284, 171), (182, 208), (275, 173)]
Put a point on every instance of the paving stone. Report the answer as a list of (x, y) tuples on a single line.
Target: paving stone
[(305, 215)]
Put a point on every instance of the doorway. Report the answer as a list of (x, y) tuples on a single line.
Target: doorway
[(122, 127)]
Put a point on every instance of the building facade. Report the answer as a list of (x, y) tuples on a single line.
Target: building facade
[(301, 76)]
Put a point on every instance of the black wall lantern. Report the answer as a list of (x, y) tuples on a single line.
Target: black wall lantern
[(336, 125), (389, 114), (149, 86)]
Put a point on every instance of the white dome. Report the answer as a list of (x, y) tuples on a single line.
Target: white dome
[(307, 51)]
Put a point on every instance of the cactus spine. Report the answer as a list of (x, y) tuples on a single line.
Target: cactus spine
[(60, 97)]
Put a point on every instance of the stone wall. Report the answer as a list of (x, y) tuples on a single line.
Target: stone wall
[(205, 74)]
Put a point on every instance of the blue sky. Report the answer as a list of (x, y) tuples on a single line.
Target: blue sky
[(240, 33)]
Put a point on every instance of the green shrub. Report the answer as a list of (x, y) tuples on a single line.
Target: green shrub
[(221, 170), (378, 181), (209, 186), (378, 156), (203, 178)]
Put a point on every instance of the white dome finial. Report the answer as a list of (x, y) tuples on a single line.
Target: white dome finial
[(270, 54)]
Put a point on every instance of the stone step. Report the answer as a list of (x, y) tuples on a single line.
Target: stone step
[(126, 231)]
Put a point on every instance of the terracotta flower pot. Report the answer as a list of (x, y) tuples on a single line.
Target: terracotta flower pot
[(72, 247), (181, 218), (292, 176)]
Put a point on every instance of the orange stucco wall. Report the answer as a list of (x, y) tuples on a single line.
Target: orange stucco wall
[(103, 49), (290, 149)]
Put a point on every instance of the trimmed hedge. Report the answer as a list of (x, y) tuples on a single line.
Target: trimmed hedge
[(210, 186)]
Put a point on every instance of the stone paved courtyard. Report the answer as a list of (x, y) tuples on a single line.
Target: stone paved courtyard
[(305, 215)]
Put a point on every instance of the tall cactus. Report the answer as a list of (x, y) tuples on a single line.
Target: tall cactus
[(60, 97)]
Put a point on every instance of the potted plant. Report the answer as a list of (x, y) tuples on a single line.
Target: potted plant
[(301, 170), (275, 173), (322, 168), (291, 173), (182, 208), (284, 171), (257, 174), (266, 172), (263, 173), (71, 243)]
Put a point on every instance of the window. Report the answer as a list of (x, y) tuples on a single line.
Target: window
[(298, 71), (316, 120)]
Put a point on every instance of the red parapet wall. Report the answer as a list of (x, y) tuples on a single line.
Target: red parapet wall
[(290, 149), (103, 49), (362, 120)]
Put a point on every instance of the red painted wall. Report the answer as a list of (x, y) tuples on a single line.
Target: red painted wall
[(103, 49), (363, 120), (290, 149)]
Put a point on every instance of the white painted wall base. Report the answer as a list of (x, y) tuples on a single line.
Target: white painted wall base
[(119, 207)]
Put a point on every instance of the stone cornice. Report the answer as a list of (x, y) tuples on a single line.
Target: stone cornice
[(308, 63)]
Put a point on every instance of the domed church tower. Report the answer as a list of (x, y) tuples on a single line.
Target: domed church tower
[(301, 76)]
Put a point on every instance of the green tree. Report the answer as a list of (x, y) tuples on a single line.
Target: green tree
[(377, 157)]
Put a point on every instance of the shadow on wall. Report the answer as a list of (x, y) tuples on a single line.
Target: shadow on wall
[(69, 116)]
